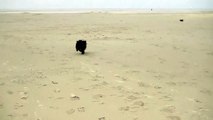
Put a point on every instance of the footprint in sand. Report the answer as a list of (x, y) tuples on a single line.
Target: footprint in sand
[(18, 105), (142, 84), (98, 96), (70, 111), (1, 106), (43, 84), (162, 61), (99, 85), (175, 48), (40, 52), (2, 84), (126, 108), (96, 64), (210, 53), (102, 118), (158, 76), (173, 117), (63, 63), (25, 115), (57, 90), (193, 100), (81, 109), (10, 92), (131, 98), (206, 91), (24, 95), (138, 103), (59, 98), (84, 89), (54, 82), (157, 87), (169, 109), (53, 107), (11, 115), (171, 83), (52, 59), (74, 97), (135, 105), (46, 50), (39, 103), (167, 98)]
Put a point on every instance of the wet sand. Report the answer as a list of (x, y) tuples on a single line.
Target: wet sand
[(136, 67)]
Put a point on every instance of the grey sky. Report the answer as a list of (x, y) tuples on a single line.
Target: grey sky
[(73, 4)]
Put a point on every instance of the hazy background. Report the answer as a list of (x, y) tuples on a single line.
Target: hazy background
[(92, 4)]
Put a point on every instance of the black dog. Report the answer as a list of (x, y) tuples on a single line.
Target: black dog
[(81, 45), (181, 20)]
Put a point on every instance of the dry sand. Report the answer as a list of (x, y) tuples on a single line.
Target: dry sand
[(136, 67)]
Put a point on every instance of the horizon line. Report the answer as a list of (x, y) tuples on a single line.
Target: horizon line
[(107, 10)]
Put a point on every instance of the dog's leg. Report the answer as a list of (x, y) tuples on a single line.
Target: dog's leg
[(82, 52)]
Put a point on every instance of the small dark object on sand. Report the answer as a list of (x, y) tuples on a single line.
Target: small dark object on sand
[(81, 45), (181, 20)]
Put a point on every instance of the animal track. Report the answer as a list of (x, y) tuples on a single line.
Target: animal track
[(138, 103), (98, 96), (169, 109), (126, 108), (81, 109), (102, 118), (173, 117), (70, 111)]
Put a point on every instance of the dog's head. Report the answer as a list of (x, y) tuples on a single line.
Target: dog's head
[(81, 42)]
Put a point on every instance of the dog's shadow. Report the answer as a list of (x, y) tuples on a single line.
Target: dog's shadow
[(90, 54)]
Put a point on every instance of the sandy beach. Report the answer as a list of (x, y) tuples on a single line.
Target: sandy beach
[(136, 66)]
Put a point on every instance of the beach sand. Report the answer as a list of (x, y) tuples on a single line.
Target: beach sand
[(136, 66)]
